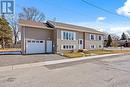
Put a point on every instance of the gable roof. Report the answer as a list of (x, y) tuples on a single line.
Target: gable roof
[(60, 25), (29, 23), (51, 25)]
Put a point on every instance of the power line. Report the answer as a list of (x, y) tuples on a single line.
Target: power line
[(100, 8), (70, 10)]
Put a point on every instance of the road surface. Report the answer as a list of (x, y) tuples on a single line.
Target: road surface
[(108, 72)]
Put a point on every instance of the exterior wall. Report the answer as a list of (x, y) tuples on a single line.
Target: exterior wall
[(55, 36), (79, 35), (55, 41), (22, 29), (67, 42), (36, 34), (96, 42)]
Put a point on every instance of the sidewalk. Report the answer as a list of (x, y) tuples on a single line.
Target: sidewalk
[(62, 61)]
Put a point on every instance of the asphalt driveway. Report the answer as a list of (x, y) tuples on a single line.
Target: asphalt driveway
[(6, 60)]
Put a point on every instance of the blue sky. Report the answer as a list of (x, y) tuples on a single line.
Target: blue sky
[(80, 13)]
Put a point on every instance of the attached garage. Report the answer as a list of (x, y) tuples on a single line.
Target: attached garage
[(38, 46), (35, 46)]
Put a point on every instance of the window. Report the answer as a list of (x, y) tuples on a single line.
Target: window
[(100, 46), (67, 35), (41, 41), (64, 47), (92, 46), (92, 37), (100, 37), (33, 41), (68, 47), (37, 41), (29, 41), (80, 42)]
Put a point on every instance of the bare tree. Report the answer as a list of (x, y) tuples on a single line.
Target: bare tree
[(12, 19), (32, 14), (13, 24)]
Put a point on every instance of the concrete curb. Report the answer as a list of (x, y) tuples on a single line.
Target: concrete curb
[(47, 63), (81, 59)]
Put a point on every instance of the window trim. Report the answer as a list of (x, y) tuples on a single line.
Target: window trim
[(69, 34), (100, 36), (100, 46), (93, 35), (68, 47), (92, 45)]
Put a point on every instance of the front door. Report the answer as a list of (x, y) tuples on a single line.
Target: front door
[(80, 43), (49, 47)]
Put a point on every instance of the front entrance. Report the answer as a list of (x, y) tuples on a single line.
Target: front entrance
[(80, 43), (49, 46)]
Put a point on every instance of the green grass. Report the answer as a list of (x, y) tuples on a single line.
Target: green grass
[(93, 52), (73, 54)]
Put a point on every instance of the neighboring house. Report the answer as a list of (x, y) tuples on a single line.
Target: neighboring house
[(127, 42), (115, 40), (53, 37)]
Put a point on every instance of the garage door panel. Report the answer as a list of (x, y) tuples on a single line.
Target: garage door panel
[(35, 46)]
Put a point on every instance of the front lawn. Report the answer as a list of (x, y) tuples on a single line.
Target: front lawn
[(93, 52), (73, 54)]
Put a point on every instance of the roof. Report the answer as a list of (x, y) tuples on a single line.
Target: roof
[(60, 25), (29, 23)]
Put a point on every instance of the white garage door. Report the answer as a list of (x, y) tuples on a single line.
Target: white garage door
[(35, 46)]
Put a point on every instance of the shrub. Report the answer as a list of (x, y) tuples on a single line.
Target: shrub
[(85, 51), (80, 50)]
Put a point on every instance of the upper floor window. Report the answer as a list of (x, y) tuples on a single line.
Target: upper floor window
[(100, 37), (92, 37), (67, 35)]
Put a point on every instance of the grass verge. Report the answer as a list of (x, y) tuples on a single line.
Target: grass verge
[(93, 52)]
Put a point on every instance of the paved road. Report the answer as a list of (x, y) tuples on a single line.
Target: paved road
[(113, 72)]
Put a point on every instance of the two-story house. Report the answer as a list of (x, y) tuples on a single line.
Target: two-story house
[(53, 37)]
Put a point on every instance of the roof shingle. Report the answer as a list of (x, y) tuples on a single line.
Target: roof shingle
[(60, 25)]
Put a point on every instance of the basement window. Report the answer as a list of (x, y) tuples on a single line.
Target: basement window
[(68, 47), (41, 41), (92, 46), (33, 41)]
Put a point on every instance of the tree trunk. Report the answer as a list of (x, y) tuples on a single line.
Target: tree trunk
[(3, 43), (15, 40)]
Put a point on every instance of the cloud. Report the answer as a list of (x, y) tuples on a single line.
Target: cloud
[(101, 18), (124, 10), (119, 30), (115, 28)]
